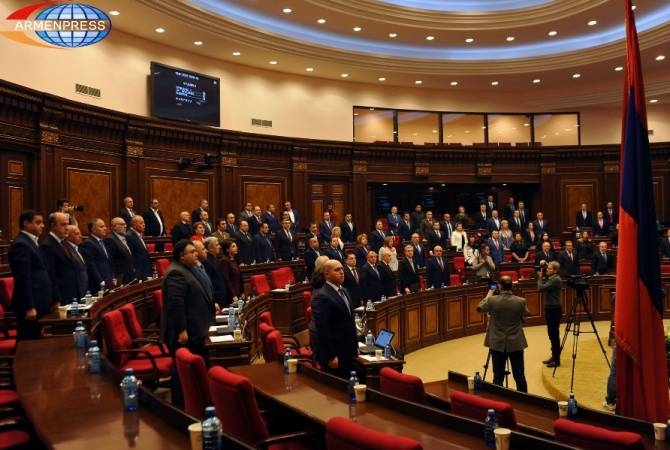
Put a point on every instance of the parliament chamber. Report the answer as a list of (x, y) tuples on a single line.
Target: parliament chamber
[(267, 225)]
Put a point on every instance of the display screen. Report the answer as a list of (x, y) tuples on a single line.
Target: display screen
[(182, 95), (384, 338)]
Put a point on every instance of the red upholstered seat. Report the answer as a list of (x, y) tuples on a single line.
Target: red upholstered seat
[(281, 277), (665, 269), (5, 331), (289, 274), (455, 280), (263, 330), (157, 310), (422, 282), (151, 247), (8, 396), (13, 439), (307, 297), (6, 291), (193, 378), (343, 434), (526, 272), (168, 247), (274, 348), (508, 257), (585, 269), (136, 332), (260, 285), (509, 273), (266, 317), (236, 407), (162, 265), (475, 407), (308, 314), (407, 387), (7, 347), (595, 438), (557, 244), (459, 263)]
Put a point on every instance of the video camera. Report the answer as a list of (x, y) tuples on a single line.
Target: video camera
[(578, 282)]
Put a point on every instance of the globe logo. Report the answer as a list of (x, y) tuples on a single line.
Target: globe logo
[(75, 25)]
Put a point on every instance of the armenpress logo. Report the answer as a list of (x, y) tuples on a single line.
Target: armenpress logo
[(57, 24)]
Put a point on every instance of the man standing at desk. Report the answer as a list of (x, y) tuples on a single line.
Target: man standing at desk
[(504, 336), (334, 322)]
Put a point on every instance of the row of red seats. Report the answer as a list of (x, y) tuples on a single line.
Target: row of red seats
[(272, 341), (167, 247)]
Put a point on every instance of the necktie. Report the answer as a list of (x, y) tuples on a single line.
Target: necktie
[(518, 224), (438, 234), (411, 264), (382, 234), (604, 256), (317, 253), (439, 261), (102, 244), (570, 255), (130, 212), (375, 270), (65, 247), (288, 235), (202, 276), (353, 270), (125, 244), (232, 227), (344, 298)]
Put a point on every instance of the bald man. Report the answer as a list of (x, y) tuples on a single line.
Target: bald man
[(183, 228), (126, 212), (334, 322), (62, 269), (141, 257), (74, 240), (119, 252)]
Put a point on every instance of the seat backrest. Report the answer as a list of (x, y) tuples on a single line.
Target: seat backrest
[(168, 247), (151, 247), (508, 257), (527, 272), (344, 434), (459, 262), (116, 336), (289, 274), (162, 265), (132, 324), (585, 269), (307, 297), (556, 244), (595, 438), (509, 273), (236, 407), (407, 387), (279, 279), (275, 347), (476, 408), (665, 269), (6, 291), (263, 330), (455, 280), (308, 314), (266, 317), (260, 285), (193, 379)]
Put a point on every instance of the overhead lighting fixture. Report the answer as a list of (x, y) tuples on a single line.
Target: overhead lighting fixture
[(536, 80), (236, 53), (357, 28), (344, 75), (381, 79), (526, 124), (576, 75), (618, 68), (454, 83), (418, 82), (660, 58), (469, 40), (434, 131), (273, 62), (197, 42), (430, 38), (321, 21), (494, 83), (287, 10), (653, 100), (592, 23), (160, 30), (633, 8), (552, 33), (309, 69), (114, 13), (393, 35), (510, 38)]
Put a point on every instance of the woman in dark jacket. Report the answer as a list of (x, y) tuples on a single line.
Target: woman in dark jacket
[(231, 271)]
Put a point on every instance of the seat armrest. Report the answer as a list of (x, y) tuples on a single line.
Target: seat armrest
[(277, 439), (152, 341)]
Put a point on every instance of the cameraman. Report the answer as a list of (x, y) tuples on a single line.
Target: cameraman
[(63, 205), (504, 336), (549, 283)]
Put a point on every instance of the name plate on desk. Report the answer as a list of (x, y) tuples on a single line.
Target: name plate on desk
[(224, 338)]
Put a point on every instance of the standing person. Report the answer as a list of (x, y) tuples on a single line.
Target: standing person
[(247, 245), (197, 212), (182, 229), (61, 266), (389, 287), (311, 253), (119, 251), (352, 280), (215, 272), (97, 257), (484, 265), (393, 220), (126, 212), (231, 270), (437, 270), (408, 272), (549, 284), (389, 249), (74, 240), (292, 215), (335, 329), (33, 295), (504, 335), (286, 243), (362, 249), (135, 238), (155, 222), (372, 287)]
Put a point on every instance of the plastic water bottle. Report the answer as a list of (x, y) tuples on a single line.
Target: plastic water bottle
[(211, 430), (478, 382), (383, 298), (353, 381), (130, 386), (80, 337), (74, 308), (387, 352), (155, 276), (306, 280), (572, 405), (490, 425), (93, 356), (287, 356), (231, 315), (369, 306), (88, 298), (369, 339), (240, 304)]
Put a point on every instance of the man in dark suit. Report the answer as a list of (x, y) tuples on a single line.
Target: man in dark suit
[(264, 248), (352, 281), (541, 225), (436, 237), (417, 218), (427, 224), (601, 226), (231, 228), (183, 228), (247, 212), (348, 229), (493, 223), (286, 242), (496, 246), (120, 253), (293, 215), (504, 335), (393, 219), (408, 272), (221, 294), (544, 256), (482, 217), (419, 253), (62, 269), (437, 269), (508, 209), (195, 215), (515, 223), (602, 262), (372, 287), (326, 228), (32, 297), (97, 257), (153, 218), (313, 231), (126, 212), (389, 286), (490, 204), (664, 245), (246, 245), (569, 260), (405, 228), (377, 236), (311, 253), (447, 228), (74, 240), (220, 233), (271, 219), (255, 221), (333, 251), (135, 239), (524, 215), (611, 214), (334, 323), (584, 218), (204, 220)]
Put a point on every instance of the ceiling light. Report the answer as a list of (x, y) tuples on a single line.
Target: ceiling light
[(197, 42), (576, 75), (633, 7), (273, 62), (510, 38), (552, 33), (618, 68), (381, 79), (344, 75), (484, 128), (236, 53), (160, 30), (392, 35), (310, 69), (454, 83), (321, 21), (660, 57), (430, 38), (434, 131), (494, 83), (592, 23), (287, 10), (469, 40), (114, 13), (357, 28), (526, 124), (653, 100), (418, 82), (536, 80)]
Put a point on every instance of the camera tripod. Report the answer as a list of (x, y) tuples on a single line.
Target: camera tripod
[(574, 323), (486, 369)]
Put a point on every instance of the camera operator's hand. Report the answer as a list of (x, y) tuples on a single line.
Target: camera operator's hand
[(490, 293)]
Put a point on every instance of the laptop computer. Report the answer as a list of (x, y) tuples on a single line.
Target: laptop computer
[(384, 338)]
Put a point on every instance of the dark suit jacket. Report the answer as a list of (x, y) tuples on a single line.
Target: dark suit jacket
[(601, 231), (232, 230), (152, 226), (141, 259), (491, 225), (247, 248), (354, 288), (32, 285), (286, 249), (348, 235), (481, 220), (99, 265), (434, 240), (310, 259), (195, 215), (215, 273), (361, 255), (62, 271), (446, 232), (664, 247), (539, 256), (393, 222), (372, 287), (585, 250), (254, 225), (581, 222), (497, 254), (326, 232), (408, 278), (541, 229), (508, 211), (491, 208), (435, 275), (376, 240), (516, 228), (389, 286), (125, 215), (569, 266), (181, 231), (334, 253), (525, 217), (615, 215), (419, 256), (295, 226), (187, 306), (335, 329), (81, 272), (122, 259), (405, 230), (416, 219), (264, 249), (272, 222), (601, 266)]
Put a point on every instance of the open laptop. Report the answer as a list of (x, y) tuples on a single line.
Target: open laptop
[(384, 338)]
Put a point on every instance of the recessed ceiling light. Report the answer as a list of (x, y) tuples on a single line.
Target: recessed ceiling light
[(618, 68), (592, 23), (576, 75), (309, 69), (418, 82), (536, 80), (273, 62), (552, 33), (114, 13), (287, 10), (160, 30), (484, 128), (381, 79), (653, 100), (236, 53), (430, 38), (321, 21), (494, 83), (469, 40), (357, 28), (344, 75), (393, 35), (197, 42), (526, 124), (660, 57), (510, 38), (454, 83), (434, 131)]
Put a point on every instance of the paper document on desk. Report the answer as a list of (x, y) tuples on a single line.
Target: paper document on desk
[(224, 338), (372, 358)]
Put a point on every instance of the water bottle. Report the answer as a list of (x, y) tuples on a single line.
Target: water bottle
[(306, 280), (93, 357), (369, 306), (74, 308), (240, 304), (353, 381), (490, 425), (155, 275), (288, 286), (80, 337), (383, 298), (572, 405), (211, 430), (130, 386), (369, 339), (478, 382), (231, 315), (88, 298), (287, 356), (387, 352)]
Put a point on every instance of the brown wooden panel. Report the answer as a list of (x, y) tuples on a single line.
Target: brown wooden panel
[(338, 207), (15, 168), (394, 325), (533, 303), (605, 301), (176, 194), (93, 190), (263, 193), (413, 323), (454, 315), (317, 189), (573, 196), (431, 323), (381, 322), (317, 211), (658, 196), (337, 189), (15, 208), (473, 317)]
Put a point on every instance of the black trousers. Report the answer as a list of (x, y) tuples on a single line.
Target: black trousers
[(518, 372), (553, 318), (27, 329)]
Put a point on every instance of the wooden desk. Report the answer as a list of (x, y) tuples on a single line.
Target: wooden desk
[(231, 353), (368, 371), (536, 415), (318, 397)]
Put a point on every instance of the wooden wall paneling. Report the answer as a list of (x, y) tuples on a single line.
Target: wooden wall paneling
[(431, 322), (574, 193), (533, 303), (473, 317), (93, 185), (263, 191), (549, 187), (14, 191), (325, 191), (603, 299), (176, 193), (16, 202), (454, 316), (412, 325), (393, 324)]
